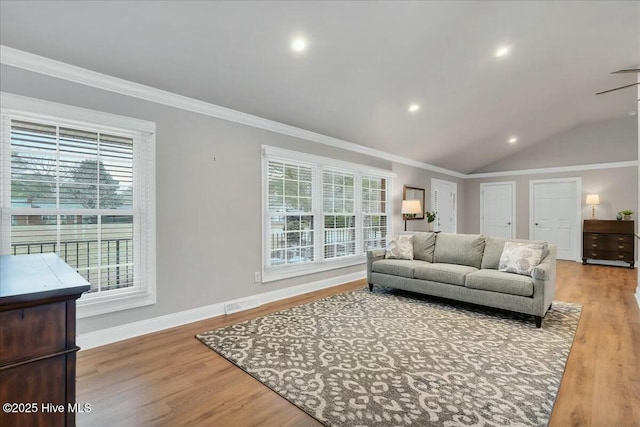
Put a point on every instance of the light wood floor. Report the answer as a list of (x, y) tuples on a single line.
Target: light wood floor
[(170, 378)]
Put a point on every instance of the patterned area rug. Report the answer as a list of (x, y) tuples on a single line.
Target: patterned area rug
[(387, 358)]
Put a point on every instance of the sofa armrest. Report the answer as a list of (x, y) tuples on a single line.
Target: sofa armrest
[(543, 270), (544, 279), (373, 255)]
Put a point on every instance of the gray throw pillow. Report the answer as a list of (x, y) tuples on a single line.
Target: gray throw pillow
[(400, 247), (521, 258)]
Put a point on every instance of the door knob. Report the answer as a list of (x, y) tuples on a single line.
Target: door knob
[(537, 223), (508, 223)]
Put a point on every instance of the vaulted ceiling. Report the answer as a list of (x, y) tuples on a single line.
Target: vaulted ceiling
[(365, 63)]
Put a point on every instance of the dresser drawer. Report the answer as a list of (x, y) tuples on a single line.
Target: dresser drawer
[(605, 237), (626, 238), (32, 331), (608, 245)]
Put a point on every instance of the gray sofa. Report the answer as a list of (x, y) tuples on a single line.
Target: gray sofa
[(464, 267)]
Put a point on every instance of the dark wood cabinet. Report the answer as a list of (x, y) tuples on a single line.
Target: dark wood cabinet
[(38, 296), (608, 240)]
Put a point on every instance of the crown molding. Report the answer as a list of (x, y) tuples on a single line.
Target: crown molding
[(61, 70), (559, 169)]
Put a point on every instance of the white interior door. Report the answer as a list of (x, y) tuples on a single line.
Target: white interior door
[(555, 214), (444, 195), (497, 209)]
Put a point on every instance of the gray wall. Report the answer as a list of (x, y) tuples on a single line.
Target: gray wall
[(604, 142), (208, 213)]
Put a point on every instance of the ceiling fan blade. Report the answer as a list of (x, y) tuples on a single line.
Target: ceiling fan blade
[(618, 88), (630, 70)]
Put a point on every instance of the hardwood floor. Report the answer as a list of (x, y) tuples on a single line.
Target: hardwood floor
[(170, 378)]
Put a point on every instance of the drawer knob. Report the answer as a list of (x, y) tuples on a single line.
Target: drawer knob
[(594, 254), (594, 237), (621, 238), (594, 245), (620, 256), (620, 246)]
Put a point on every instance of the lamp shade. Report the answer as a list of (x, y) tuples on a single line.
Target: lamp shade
[(593, 199), (411, 207)]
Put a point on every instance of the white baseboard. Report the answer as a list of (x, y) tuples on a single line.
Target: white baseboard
[(147, 326)]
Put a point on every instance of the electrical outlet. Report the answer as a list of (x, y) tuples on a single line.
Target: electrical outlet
[(256, 277)]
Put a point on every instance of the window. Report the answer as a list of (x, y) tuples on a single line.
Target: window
[(291, 213), (320, 213), (374, 211), (338, 193), (84, 191)]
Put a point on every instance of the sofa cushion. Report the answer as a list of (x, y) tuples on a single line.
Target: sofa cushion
[(461, 249), (423, 245), (400, 247), (493, 250), (445, 273), (397, 267), (498, 281), (520, 258)]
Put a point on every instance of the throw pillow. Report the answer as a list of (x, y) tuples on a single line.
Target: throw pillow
[(400, 247), (521, 258)]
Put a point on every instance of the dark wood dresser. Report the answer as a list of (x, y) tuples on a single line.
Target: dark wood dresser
[(38, 296), (608, 240)]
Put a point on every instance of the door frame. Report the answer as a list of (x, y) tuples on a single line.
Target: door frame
[(455, 208), (513, 204), (578, 181)]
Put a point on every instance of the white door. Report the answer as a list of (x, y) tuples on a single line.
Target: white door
[(497, 209), (555, 214), (444, 196)]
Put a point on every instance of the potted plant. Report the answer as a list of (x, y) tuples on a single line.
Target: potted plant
[(431, 216), (627, 214)]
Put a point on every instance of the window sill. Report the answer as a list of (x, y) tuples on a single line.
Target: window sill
[(272, 274), (89, 306)]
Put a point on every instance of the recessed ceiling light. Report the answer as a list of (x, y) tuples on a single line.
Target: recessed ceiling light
[(299, 44), (513, 140), (413, 108), (502, 51)]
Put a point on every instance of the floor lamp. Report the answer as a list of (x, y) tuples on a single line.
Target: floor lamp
[(410, 208)]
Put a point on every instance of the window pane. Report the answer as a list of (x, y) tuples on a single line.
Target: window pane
[(33, 179), (78, 142), (291, 239), (33, 234), (117, 252), (79, 244), (374, 231), (116, 172), (339, 235), (294, 183)]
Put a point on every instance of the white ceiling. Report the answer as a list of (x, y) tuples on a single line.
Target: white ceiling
[(366, 62)]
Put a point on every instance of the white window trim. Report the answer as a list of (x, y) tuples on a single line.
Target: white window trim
[(318, 164), (20, 107)]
